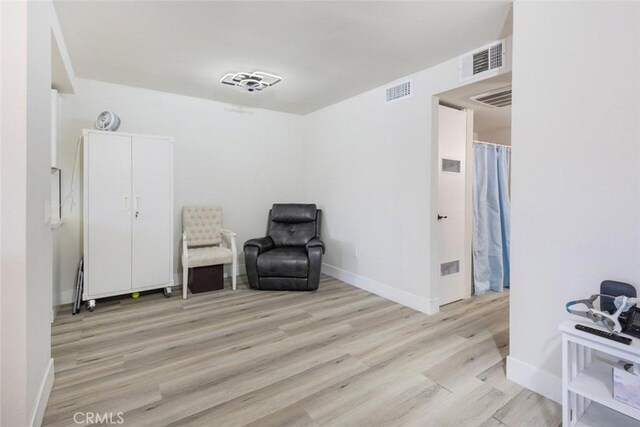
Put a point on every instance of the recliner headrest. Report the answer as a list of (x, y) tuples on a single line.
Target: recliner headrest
[(293, 212)]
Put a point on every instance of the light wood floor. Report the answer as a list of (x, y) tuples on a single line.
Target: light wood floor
[(336, 357)]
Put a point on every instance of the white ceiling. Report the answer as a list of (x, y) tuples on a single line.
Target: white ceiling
[(485, 118), (488, 119), (325, 51)]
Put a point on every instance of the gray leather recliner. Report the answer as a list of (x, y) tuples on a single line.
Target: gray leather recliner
[(290, 256)]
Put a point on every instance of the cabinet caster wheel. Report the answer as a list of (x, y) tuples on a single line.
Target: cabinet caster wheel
[(167, 292), (91, 305)]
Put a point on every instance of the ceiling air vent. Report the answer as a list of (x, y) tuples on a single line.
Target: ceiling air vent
[(496, 98), (398, 91), (487, 58)]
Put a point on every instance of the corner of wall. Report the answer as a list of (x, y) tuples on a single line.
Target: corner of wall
[(62, 59), (44, 392), (421, 304)]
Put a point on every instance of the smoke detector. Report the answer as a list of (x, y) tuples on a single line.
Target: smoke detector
[(251, 82)]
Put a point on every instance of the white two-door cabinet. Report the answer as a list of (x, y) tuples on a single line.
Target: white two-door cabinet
[(128, 214)]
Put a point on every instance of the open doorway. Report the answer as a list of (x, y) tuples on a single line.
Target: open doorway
[(474, 160)]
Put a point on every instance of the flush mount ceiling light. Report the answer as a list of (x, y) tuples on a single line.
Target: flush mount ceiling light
[(251, 82)]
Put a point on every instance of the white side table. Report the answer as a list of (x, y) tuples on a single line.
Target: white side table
[(587, 383)]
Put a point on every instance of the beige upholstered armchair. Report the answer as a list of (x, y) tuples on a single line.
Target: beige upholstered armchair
[(205, 242)]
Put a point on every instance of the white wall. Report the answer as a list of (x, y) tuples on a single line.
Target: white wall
[(242, 159), (26, 368), (13, 337), (576, 170), (39, 242), (496, 136), (371, 166)]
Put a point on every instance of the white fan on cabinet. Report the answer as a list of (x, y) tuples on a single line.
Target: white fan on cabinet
[(108, 120)]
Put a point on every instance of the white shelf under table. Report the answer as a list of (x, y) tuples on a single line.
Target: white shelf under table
[(598, 415), (588, 378), (595, 383)]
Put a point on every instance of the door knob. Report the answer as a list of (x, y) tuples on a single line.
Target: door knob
[(441, 217)]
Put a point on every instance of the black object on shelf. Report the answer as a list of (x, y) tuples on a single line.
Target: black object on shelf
[(632, 324), (614, 289), (603, 334)]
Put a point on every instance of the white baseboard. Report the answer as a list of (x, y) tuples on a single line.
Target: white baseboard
[(405, 298), (43, 396), (435, 305), (534, 379)]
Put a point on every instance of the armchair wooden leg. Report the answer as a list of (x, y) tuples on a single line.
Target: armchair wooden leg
[(234, 272), (185, 281), (234, 266)]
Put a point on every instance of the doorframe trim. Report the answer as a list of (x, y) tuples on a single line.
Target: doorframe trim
[(468, 205), (432, 223)]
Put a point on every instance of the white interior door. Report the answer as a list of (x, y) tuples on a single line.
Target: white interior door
[(452, 139), (108, 257), (152, 212)]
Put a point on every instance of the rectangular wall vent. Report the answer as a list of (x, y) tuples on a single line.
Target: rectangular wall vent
[(487, 58), (495, 56), (398, 91), (451, 165), (496, 98), (448, 268)]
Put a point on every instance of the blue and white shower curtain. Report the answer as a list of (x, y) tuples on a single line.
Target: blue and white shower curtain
[(491, 217)]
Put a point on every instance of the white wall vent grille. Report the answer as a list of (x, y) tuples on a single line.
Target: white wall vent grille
[(399, 91), (451, 165), (496, 98), (487, 58), (495, 56), (448, 268)]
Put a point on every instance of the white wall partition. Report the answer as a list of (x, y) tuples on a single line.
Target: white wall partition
[(13, 215), (576, 170), (26, 366)]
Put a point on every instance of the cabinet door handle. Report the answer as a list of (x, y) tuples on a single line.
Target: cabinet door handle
[(126, 203)]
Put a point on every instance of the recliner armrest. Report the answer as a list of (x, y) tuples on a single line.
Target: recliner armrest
[(315, 242), (262, 243)]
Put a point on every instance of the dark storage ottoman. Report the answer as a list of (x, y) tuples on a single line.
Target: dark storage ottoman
[(205, 279)]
